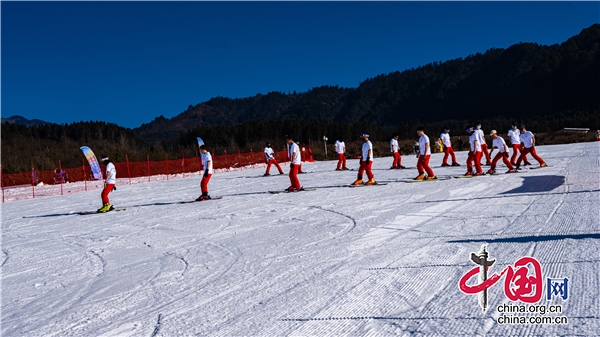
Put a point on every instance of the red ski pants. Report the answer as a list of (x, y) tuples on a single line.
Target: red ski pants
[(295, 183), (107, 189), (504, 157), (423, 165), (531, 151), (476, 157), (516, 149), (485, 152), (449, 151), (341, 161), (397, 160), (515, 156), (273, 162), (204, 183), (365, 166)]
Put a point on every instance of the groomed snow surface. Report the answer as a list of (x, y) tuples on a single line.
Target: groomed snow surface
[(377, 261)]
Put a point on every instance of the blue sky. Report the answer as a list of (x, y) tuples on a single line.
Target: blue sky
[(127, 63)]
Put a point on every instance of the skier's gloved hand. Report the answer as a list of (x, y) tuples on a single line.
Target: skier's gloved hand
[(205, 173), (368, 162), (114, 188), (291, 165)]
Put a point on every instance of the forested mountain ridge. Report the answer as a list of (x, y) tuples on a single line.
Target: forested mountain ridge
[(545, 87), (524, 80)]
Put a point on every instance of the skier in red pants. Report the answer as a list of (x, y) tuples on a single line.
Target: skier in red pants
[(366, 161), (423, 156), (109, 185), (515, 143), (499, 143), (395, 150), (448, 150), (208, 171), (295, 162), (270, 159), (475, 153), (528, 146), (340, 149), (482, 143)]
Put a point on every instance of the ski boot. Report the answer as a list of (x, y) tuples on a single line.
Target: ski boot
[(543, 165), (371, 182), (106, 207), (421, 176), (203, 197), (455, 164), (357, 182), (430, 178)]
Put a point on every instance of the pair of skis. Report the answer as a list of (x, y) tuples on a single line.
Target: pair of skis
[(192, 201), (96, 212), (123, 209)]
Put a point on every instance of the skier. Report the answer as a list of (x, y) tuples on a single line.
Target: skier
[(445, 137), (366, 161), (394, 149), (515, 142), (295, 162), (340, 149), (208, 171), (270, 159), (460, 144), (528, 146), (499, 143), (482, 143), (423, 156), (109, 184), (475, 153)]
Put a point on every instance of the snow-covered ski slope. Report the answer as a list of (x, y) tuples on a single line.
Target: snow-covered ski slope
[(377, 261)]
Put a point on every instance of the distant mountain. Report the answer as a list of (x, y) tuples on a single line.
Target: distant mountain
[(20, 120), (523, 80)]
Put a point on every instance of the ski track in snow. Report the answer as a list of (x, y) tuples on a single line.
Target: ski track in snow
[(382, 260)]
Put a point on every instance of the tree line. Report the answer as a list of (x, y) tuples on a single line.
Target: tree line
[(45, 144)]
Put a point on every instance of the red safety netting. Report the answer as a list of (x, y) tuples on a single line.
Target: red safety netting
[(129, 170)]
